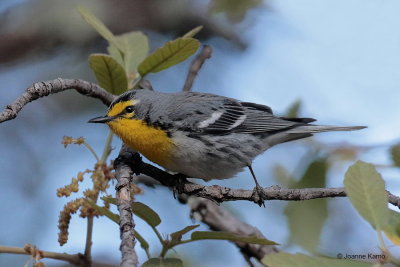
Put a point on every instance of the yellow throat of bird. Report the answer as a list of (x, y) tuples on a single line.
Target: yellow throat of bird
[(152, 142)]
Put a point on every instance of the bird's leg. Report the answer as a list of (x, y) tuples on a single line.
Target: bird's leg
[(258, 191)]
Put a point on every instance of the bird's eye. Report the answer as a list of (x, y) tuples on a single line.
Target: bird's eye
[(129, 109)]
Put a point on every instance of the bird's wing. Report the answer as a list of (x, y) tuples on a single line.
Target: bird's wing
[(205, 113), (212, 114), (260, 119), (228, 116)]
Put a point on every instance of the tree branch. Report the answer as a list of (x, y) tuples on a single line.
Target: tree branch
[(196, 66), (75, 259), (220, 194), (42, 89), (219, 219), (123, 174)]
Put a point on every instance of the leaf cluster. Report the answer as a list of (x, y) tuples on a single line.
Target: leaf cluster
[(128, 60), (174, 239), (365, 189)]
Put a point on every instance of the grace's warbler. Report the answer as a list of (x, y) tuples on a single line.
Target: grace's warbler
[(202, 135)]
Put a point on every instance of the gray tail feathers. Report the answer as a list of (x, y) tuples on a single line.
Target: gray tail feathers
[(304, 131), (310, 128)]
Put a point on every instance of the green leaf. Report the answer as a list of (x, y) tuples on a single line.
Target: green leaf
[(142, 241), (115, 218), (366, 190), (177, 236), (136, 49), (306, 218), (104, 211), (111, 200), (109, 73), (282, 176), (193, 32), (392, 228), (395, 152), (100, 27), (115, 54), (163, 262), (283, 259), (170, 54), (314, 175), (146, 213), (202, 235), (141, 210), (294, 109)]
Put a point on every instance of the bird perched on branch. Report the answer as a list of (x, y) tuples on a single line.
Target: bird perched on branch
[(202, 135)]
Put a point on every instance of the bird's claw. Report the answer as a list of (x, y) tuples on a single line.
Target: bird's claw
[(134, 162), (259, 195), (179, 186)]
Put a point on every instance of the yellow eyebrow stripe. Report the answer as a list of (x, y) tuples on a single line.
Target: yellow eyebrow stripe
[(119, 107)]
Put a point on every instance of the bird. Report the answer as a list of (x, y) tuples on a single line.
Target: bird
[(202, 135)]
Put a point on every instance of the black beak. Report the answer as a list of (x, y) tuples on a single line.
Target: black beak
[(102, 119)]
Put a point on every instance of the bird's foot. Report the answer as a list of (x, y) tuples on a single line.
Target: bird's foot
[(133, 160), (180, 183), (259, 195)]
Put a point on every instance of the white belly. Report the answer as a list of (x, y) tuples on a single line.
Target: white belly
[(213, 157)]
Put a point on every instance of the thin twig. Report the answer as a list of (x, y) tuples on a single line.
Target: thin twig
[(196, 66), (75, 259), (91, 151), (90, 219), (145, 84), (42, 89), (88, 243), (123, 174), (107, 147)]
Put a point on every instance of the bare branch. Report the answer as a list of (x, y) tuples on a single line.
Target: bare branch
[(76, 259), (145, 84), (219, 219), (42, 89), (89, 243), (220, 194), (123, 174), (196, 66)]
